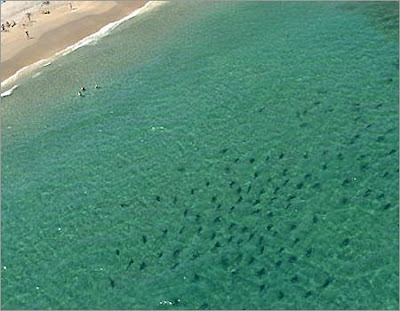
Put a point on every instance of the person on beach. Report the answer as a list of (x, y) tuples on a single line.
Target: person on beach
[(3, 28), (70, 6), (13, 23), (8, 24), (27, 34), (28, 15)]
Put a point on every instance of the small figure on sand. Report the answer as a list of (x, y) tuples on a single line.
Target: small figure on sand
[(13, 23), (3, 28), (70, 6), (27, 34), (28, 15), (8, 24)]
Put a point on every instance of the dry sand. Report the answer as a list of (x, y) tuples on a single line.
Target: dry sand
[(52, 33)]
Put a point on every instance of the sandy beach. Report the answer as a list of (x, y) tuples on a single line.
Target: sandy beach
[(50, 33)]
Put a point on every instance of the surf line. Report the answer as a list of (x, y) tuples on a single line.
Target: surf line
[(93, 38)]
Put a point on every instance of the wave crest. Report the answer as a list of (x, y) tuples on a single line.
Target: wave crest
[(9, 92)]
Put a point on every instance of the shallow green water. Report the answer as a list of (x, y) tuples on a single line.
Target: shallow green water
[(238, 155)]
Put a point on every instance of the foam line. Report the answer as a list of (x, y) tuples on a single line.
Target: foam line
[(9, 92), (91, 39)]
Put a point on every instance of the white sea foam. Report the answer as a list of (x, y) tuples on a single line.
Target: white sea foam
[(37, 74), (9, 92), (24, 71), (91, 39)]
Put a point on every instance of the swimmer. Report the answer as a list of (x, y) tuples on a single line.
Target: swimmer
[(79, 93), (82, 89), (96, 86)]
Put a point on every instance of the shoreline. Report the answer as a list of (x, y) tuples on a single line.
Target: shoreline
[(53, 35)]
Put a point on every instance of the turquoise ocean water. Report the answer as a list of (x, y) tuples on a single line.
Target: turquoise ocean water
[(237, 155)]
